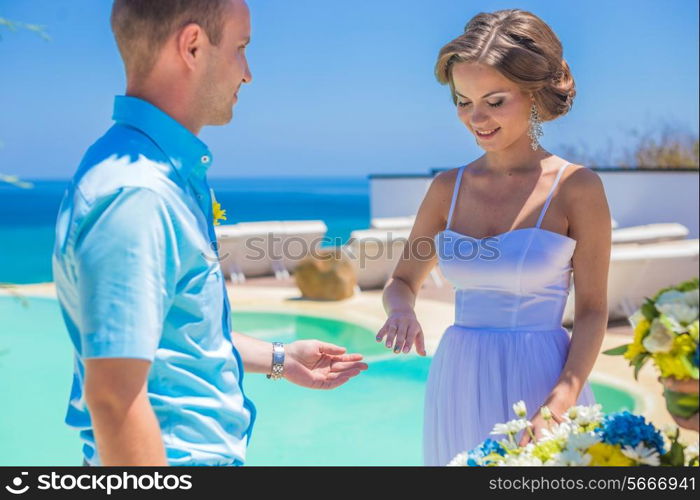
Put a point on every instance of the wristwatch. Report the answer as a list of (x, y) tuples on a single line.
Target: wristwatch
[(277, 361)]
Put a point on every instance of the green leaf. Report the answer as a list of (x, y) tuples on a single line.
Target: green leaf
[(689, 285), (674, 456), (617, 351), (649, 309), (640, 358)]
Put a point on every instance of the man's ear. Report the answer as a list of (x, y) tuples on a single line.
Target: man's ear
[(190, 41)]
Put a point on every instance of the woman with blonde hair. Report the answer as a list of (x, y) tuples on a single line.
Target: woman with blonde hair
[(507, 231)]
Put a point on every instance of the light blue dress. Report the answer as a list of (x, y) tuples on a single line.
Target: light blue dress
[(507, 342)]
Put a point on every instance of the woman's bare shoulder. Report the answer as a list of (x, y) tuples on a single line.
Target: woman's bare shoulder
[(438, 198), (581, 183), (446, 177), (443, 183)]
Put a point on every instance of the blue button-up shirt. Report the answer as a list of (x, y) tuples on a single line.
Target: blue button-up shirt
[(137, 276)]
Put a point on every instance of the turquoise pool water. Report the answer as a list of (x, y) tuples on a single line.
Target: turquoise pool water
[(375, 419)]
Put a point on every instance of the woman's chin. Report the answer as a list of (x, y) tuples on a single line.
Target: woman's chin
[(489, 147)]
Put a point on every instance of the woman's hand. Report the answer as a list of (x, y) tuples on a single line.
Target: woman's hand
[(557, 409), (402, 331)]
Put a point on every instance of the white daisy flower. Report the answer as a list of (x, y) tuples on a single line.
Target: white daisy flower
[(558, 432), (518, 425), (546, 413), (511, 427), (520, 460), (642, 454), (582, 441), (459, 461), (520, 409), (584, 415), (500, 429), (589, 414), (571, 458), (572, 413)]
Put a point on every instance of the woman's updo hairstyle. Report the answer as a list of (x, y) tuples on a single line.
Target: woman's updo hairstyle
[(523, 48)]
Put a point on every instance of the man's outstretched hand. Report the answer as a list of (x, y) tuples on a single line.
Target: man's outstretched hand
[(319, 365)]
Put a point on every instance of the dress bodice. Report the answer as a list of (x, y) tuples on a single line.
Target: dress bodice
[(514, 280)]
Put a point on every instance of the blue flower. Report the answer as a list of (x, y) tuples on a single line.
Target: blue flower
[(484, 449), (696, 358), (626, 429), (490, 446), (472, 458)]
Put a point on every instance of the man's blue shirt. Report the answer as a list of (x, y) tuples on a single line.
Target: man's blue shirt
[(137, 276)]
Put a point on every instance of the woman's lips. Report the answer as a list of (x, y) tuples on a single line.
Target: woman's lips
[(487, 136)]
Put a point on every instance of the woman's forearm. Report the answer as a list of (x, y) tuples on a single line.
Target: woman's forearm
[(398, 297), (586, 339)]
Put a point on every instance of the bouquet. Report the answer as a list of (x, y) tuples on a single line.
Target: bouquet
[(666, 331), (585, 437)]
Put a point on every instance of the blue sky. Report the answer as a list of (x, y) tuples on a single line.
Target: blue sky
[(346, 88)]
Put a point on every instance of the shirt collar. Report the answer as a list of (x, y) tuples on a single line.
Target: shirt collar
[(186, 151)]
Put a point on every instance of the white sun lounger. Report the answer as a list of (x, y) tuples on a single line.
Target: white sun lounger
[(639, 271), (386, 223), (374, 254), (250, 249), (245, 249), (650, 233), (296, 240)]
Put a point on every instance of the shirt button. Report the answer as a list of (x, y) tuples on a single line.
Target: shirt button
[(206, 159)]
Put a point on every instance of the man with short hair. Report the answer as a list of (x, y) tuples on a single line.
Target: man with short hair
[(158, 372)]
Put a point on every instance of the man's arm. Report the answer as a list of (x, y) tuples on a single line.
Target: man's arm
[(256, 354), (125, 426), (126, 273), (308, 363)]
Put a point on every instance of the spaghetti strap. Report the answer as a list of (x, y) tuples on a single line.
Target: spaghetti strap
[(454, 195), (551, 192)]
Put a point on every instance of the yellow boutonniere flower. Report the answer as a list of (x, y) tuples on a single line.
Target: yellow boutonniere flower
[(217, 212)]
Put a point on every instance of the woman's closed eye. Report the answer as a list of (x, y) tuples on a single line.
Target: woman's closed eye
[(464, 104)]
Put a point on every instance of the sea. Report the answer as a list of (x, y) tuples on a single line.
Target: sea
[(28, 215)]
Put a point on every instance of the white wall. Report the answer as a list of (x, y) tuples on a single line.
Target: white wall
[(635, 196), (640, 197), (397, 196)]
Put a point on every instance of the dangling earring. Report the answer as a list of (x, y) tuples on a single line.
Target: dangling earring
[(535, 130)]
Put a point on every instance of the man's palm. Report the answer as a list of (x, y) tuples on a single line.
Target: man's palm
[(319, 365)]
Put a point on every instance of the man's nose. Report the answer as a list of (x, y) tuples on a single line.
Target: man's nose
[(247, 76)]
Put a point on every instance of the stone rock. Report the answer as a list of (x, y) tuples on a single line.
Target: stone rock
[(325, 276)]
